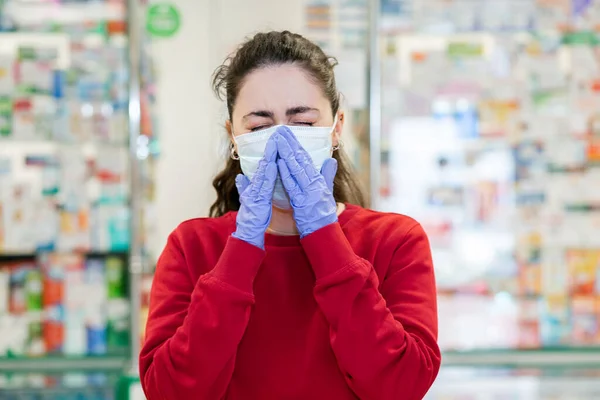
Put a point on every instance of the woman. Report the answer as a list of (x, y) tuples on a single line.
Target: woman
[(289, 291)]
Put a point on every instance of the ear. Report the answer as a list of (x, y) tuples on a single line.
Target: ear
[(339, 127), (229, 129)]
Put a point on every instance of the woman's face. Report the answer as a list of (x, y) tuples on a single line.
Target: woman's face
[(281, 95)]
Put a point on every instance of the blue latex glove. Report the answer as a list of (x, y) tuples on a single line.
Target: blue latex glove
[(254, 215), (310, 191)]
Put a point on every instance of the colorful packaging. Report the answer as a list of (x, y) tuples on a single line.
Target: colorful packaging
[(530, 160), (487, 194), (44, 108), (467, 119), (47, 229), (54, 328), (23, 119), (115, 277), (75, 288), (18, 290), (19, 217), (555, 321), (76, 296), (53, 271), (95, 308), (119, 228), (75, 332), (144, 312), (593, 151), (528, 255), (498, 117), (7, 82), (34, 290), (530, 279), (4, 290), (14, 335), (593, 148), (586, 320), (36, 344), (529, 324), (6, 112), (583, 265), (118, 332), (73, 230), (95, 275), (554, 272), (97, 343), (35, 70), (145, 303), (58, 84)]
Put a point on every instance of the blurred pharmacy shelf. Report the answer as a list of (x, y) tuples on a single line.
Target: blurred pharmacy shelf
[(80, 385), (5, 257), (37, 12), (506, 144), (63, 364), (77, 146), (516, 383), (557, 358)]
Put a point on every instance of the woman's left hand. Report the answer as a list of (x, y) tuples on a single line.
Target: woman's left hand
[(310, 191)]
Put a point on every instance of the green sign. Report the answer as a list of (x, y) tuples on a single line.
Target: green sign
[(464, 50), (583, 38), (163, 20)]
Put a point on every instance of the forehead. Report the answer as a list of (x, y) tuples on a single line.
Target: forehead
[(278, 88)]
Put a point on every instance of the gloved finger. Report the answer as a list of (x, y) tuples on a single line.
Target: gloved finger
[(304, 159), (289, 157), (270, 155), (289, 136), (328, 170), (289, 183), (241, 182), (271, 149), (258, 178), (266, 190)]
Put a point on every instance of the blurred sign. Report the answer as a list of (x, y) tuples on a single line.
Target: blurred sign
[(163, 20)]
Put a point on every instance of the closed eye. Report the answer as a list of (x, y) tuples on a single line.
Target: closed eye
[(304, 123), (258, 128)]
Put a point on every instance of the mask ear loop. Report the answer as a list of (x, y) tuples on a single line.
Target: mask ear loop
[(338, 146), (340, 141), (234, 155)]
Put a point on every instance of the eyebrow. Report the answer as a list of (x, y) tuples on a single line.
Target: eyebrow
[(299, 110), (289, 112)]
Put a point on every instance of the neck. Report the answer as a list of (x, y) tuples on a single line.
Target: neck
[(283, 224)]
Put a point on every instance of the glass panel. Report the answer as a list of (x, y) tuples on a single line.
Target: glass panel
[(502, 124), (64, 179), (90, 386), (501, 384)]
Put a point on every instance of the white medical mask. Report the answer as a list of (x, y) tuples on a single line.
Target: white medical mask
[(317, 141)]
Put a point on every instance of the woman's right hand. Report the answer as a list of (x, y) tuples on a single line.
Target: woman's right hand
[(256, 197)]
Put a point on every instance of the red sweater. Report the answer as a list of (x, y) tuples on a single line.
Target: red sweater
[(347, 312)]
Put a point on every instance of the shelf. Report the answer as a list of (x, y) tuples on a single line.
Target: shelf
[(63, 364), (55, 144), (38, 12), (576, 358), (89, 254)]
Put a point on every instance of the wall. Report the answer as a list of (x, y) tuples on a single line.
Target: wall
[(190, 118)]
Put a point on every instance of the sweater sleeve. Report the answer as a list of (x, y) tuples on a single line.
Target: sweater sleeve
[(194, 328), (384, 334)]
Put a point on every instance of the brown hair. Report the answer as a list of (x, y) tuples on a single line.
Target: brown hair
[(268, 49)]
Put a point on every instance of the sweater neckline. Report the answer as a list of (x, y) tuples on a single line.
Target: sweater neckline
[(294, 240)]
